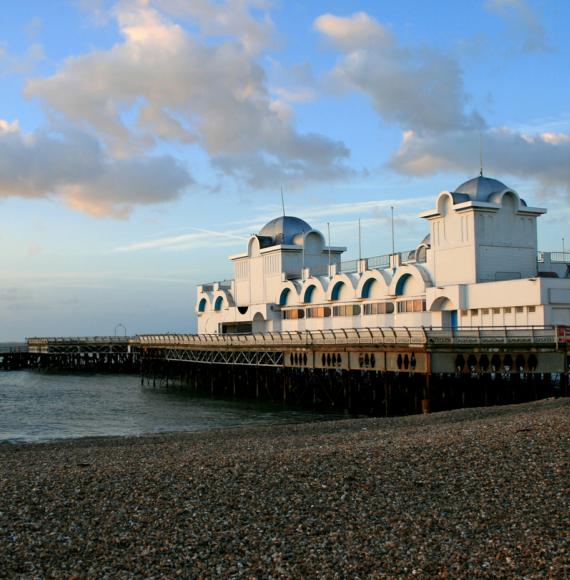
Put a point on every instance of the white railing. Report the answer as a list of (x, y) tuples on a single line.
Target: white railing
[(9, 347), (493, 335), (38, 341), (419, 336), (356, 336), (554, 257)]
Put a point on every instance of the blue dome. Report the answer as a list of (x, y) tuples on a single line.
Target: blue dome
[(481, 188), (283, 229)]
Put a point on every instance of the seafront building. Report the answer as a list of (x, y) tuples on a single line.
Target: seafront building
[(478, 266), (474, 315)]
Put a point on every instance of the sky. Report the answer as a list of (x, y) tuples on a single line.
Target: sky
[(143, 141)]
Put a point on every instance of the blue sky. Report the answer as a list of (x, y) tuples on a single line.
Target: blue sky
[(141, 142)]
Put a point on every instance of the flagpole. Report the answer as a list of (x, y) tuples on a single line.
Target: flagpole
[(359, 241), (329, 234), (393, 245)]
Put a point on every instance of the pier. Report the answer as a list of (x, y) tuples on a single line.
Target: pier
[(378, 371), (13, 356), (113, 354)]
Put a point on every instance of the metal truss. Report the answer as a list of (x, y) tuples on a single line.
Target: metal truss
[(86, 348), (246, 358)]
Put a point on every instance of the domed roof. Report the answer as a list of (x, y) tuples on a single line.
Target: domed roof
[(283, 229), (480, 188)]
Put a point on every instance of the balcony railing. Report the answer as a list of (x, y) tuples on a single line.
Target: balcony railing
[(555, 257)]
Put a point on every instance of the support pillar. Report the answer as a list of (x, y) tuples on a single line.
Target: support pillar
[(426, 395)]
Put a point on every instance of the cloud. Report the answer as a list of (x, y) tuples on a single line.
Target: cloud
[(230, 18), (522, 22), (355, 32), (292, 84), (33, 249), (542, 156), (181, 87), (74, 167), (363, 208), (12, 64), (201, 238), (372, 211), (419, 88)]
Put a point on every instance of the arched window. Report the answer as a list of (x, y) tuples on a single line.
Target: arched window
[(218, 303), (401, 285), (309, 294), (202, 305), (284, 297), (421, 254), (336, 290), (366, 288)]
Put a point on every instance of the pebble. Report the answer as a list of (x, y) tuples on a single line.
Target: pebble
[(463, 494)]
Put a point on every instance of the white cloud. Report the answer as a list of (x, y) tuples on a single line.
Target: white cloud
[(201, 238), (523, 23), (417, 87), (73, 166), (375, 215), (355, 32), (422, 90), (182, 88), (542, 156), (12, 64), (299, 95), (230, 18), (9, 126)]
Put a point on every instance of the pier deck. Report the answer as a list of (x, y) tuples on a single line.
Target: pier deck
[(370, 370)]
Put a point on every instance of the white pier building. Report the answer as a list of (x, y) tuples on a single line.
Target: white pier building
[(478, 266)]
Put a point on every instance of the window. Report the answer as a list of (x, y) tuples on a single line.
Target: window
[(507, 310), (496, 311), (531, 308), (379, 308), (293, 314), (464, 312), (284, 296), (309, 294), (484, 311), (346, 310), (474, 312), (319, 312), (417, 305), (367, 286), (519, 309), (336, 290)]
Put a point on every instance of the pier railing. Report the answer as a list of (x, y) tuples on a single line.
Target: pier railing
[(100, 344), (493, 335), (13, 347), (78, 339), (420, 336)]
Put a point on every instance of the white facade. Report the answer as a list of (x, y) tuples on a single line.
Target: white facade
[(479, 266)]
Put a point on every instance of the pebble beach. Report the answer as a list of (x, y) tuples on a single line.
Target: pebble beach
[(461, 494)]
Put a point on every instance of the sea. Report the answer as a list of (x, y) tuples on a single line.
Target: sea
[(37, 406)]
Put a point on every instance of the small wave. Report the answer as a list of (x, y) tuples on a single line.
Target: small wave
[(13, 441)]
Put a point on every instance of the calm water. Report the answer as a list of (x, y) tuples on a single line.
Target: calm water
[(43, 407)]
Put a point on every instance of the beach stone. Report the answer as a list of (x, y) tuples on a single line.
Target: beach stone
[(467, 493)]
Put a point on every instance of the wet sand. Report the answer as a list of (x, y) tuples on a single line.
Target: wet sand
[(466, 493)]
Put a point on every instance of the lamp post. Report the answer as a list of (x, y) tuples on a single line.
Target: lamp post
[(121, 325)]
